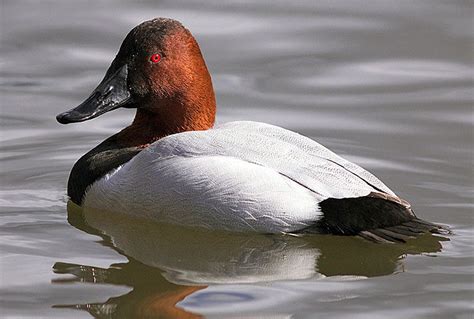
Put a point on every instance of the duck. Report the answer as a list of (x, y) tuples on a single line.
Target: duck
[(173, 165)]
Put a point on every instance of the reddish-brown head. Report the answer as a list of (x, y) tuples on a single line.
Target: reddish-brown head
[(159, 70)]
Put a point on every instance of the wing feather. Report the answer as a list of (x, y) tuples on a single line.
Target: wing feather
[(299, 158)]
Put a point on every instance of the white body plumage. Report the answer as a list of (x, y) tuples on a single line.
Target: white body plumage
[(240, 176)]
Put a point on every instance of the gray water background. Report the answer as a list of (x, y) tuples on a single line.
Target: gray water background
[(386, 84)]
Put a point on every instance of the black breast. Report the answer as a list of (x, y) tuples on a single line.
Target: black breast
[(95, 164)]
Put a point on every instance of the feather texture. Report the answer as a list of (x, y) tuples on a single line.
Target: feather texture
[(239, 176)]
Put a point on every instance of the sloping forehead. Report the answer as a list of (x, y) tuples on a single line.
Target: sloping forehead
[(151, 35)]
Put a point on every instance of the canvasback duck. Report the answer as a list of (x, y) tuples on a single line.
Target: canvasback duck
[(172, 165)]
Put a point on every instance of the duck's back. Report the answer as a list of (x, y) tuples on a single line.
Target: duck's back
[(239, 176), (290, 154)]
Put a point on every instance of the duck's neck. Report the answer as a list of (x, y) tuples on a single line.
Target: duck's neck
[(168, 117)]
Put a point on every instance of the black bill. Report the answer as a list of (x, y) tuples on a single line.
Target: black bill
[(111, 93)]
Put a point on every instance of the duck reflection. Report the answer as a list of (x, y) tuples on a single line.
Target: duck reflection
[(167, 263), (152, 295)]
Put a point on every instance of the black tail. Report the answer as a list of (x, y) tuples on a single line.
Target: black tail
[(403, 232), (376, 217)]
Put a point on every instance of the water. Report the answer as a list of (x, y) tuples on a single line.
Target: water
[(387, 84)]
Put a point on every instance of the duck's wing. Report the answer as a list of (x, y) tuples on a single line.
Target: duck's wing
[(292, 155)]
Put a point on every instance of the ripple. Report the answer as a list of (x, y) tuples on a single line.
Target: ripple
[(39, 198), (419, 69), (375, 74)]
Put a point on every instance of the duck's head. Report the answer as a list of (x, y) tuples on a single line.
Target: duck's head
[(160, 71)]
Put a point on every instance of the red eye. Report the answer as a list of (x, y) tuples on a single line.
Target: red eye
[(155, 58)]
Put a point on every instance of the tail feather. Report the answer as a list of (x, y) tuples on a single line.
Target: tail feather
[(371, 236), (410, 231), (376, 217), (403, 232)]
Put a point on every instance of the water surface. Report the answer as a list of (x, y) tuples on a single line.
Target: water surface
[(387, 85)]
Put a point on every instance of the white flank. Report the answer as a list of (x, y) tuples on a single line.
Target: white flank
[(242, 176)]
